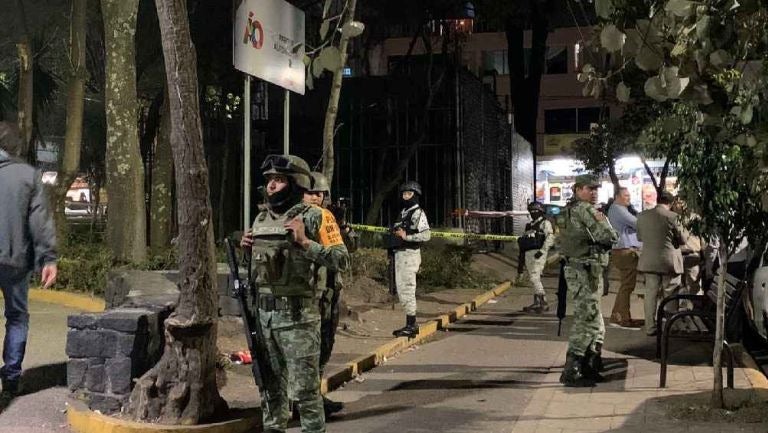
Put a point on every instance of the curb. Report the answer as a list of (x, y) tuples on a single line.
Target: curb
[(396, 345), (83, 420), (756, 378), (86, 303)]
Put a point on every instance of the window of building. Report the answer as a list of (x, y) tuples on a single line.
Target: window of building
[(496, 60), (557, 60), (560, 121), (586, 117), (570, 120)]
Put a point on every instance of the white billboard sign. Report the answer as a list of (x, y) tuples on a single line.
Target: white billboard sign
[(268, 42)]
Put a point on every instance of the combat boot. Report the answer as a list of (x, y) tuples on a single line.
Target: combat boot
[(593, 363), (331, 407), (539, 305), (410, 329), (573, 375)]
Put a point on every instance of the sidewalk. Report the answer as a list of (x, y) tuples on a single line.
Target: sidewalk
[(41, 407), (497, 370), (630, 399)]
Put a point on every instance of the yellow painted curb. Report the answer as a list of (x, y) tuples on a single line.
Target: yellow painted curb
[(426, 330), (756, 378), (89, 304), (72, 300), (83, 420)]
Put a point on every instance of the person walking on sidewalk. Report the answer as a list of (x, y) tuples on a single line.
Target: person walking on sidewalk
[(586, 237), (536, 242), (27, 242), (290, 244), (412, 230), (661, 261), (328, 282), (624, 256)]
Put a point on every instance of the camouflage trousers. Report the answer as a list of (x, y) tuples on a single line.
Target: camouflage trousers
[(329, 322), (534, 267), (293, 343), (585, 287), (407, 264)]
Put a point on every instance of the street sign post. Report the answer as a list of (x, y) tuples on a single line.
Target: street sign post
[(268, 43)]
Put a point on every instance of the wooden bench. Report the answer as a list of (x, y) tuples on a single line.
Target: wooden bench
[(700, 323)]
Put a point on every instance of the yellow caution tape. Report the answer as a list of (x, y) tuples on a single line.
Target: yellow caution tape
[(470, 236)]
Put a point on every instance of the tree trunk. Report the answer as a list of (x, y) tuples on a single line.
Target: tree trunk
[(329, 129), (70, 161), (161, 204), (717, 357), (126, 222), (614, 177), (181, 388), (26, 90)]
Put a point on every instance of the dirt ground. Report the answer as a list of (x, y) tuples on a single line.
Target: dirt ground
[(369, 316)]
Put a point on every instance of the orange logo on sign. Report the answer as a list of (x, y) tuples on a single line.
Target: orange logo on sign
[(254, 32)]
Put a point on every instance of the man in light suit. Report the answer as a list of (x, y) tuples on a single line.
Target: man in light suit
[(661, 260)]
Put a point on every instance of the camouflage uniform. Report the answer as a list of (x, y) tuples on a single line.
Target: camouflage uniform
[(287, 276), (585, 241)]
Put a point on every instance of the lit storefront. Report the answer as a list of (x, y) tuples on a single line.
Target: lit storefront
[(555, 177)]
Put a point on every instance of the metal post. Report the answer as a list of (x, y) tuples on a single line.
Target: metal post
[(247, 154), (286, 122)]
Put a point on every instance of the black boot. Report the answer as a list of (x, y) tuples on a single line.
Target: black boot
[(410, 329), (573, 375), (539, 305), (331, 407), (543, 302), (593, 363)]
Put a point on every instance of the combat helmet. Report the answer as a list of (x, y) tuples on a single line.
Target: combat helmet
[(288, 165), (411, 186), (320, 183)]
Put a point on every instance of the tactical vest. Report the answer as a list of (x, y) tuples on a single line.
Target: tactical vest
[(574, 240), (280, 265), (410, 227), (534, 241)]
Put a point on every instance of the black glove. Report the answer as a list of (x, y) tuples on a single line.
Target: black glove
[(538, 254)]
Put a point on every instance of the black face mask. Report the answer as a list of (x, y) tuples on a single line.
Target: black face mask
[(410, 202), (536, 215), (286, 198)]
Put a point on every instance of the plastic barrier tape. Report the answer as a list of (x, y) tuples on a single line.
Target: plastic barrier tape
[(451, 235)]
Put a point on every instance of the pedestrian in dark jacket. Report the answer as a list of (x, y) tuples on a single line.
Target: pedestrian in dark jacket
[(27, 243)]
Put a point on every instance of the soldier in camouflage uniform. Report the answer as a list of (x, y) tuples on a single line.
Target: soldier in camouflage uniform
[(329, 284), (586, 237), (412, 229), (291, 241)]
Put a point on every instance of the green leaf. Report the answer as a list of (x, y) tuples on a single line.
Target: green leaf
[(310, 81), (330, 58), (604, 8), (622, 92), (324, 29), (679, 49), (746, 114), (353, 28), (649, 59), (654, 89), (680, 8), (632, 43), (611, 38), (317, 68), (702, 27), (720, 58)]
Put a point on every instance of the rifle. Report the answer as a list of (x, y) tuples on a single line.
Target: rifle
[(562, 297), (260, 364)]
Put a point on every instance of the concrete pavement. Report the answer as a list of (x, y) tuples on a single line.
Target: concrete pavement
[(40, 409), (497, 371)]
